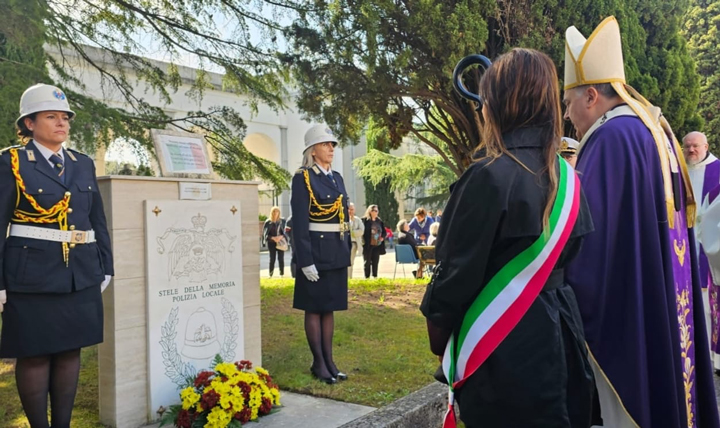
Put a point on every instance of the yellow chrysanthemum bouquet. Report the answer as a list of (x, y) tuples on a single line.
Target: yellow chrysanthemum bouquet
[(227, 396)]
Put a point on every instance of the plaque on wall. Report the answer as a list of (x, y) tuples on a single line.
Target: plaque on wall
[(182, 154), (195, 291)]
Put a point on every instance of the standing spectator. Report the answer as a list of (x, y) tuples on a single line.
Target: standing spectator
[(420, 225), (430, 215), (273, 232), (438, 217), (356, 232), (434, 228), (389, 237), (373, 240), (288, 235)]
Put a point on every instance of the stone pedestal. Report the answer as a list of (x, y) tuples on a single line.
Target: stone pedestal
[(123, 357)]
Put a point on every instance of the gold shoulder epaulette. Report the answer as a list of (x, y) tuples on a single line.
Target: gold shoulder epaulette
[(300, 170)]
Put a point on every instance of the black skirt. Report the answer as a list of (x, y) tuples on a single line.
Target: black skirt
[(539, 376), (329, 293), (37, 324)]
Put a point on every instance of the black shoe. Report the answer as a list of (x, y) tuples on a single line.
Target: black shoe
[(327, 380), (340, 376)]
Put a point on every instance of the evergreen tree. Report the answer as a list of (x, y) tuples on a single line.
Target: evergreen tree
[(702, 29), (215, 33), (393, 61)]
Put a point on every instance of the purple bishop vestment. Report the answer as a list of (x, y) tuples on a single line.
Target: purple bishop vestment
[(637, 284)]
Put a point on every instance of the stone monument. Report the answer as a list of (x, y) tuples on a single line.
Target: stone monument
[(186, 286)]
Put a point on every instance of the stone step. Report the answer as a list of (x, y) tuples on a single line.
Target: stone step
[(299, 411)]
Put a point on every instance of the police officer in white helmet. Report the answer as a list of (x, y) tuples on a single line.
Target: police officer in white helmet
[(321, 247), (55, 260)]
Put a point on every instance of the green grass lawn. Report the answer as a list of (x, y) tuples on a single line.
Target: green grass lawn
[(380, 342)]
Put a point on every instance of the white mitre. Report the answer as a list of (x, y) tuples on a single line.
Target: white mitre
[(598, 59)]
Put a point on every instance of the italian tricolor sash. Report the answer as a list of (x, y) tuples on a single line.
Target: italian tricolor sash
[(507, 297)]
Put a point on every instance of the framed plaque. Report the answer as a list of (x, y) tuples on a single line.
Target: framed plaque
[(182, 154)]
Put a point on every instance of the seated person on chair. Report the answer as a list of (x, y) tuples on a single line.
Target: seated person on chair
[(434, 228), (406, 238)]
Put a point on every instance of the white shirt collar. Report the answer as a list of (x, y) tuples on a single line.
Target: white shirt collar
[(47, 152), (705, 162), (326, 171)]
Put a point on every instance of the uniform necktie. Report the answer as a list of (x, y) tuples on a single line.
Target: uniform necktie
[(58, 166), (333, 179)]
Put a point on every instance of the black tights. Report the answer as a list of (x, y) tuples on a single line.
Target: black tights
[(55, 374), (319, 331)]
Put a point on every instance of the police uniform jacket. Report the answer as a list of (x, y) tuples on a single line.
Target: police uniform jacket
[(323, 249), (37, 266)]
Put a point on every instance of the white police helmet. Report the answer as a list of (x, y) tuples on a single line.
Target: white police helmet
[(568, 146), (319, 134), (42, 97)]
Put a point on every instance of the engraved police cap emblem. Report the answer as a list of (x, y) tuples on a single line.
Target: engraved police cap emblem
[(57, 93)]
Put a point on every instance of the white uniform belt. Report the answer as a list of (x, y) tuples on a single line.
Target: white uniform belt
[(70, 236), (332, 227)]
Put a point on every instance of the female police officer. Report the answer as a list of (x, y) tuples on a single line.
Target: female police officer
[(321, 247), (56, 260)]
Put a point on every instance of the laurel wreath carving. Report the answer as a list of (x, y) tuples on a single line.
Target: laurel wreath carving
[(175, 369), (179, 371), (232, 327)]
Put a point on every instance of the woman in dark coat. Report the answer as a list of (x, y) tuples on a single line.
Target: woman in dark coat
[(373, 240), (273, 231), (537, 374)]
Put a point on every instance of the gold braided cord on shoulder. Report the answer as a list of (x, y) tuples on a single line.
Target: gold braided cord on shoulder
[(336, 208), (55, 214)]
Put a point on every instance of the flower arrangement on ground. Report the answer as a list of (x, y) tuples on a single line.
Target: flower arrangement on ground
[(227, 396)]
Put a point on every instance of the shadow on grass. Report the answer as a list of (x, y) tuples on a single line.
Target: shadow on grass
[(380, 342)]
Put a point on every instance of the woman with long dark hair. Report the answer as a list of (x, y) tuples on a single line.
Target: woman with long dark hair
[(498, 309)]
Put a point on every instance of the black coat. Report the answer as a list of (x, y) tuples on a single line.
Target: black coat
[(280, 230), (366, 234), (37, 266), (408, 239), (539, 375)]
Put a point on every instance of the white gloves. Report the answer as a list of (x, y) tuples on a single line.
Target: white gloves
[(105, 283), (311, 273), (3, 299)]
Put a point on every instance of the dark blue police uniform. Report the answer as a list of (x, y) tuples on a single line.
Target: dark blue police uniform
[(54, 299), (328, 251)]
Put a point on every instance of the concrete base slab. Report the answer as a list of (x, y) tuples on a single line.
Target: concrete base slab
[(306, 411)]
